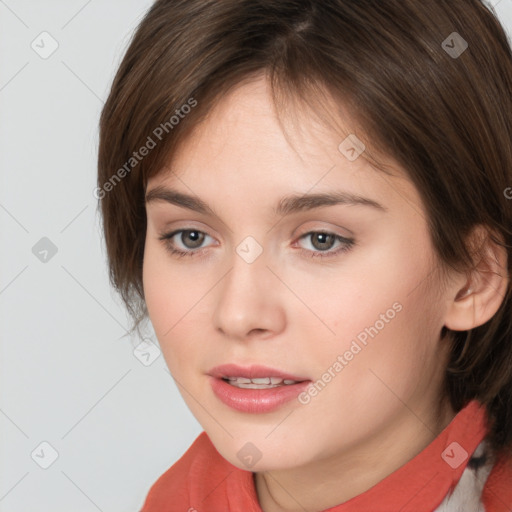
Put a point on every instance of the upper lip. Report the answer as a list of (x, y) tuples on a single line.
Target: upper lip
[(251, 372)]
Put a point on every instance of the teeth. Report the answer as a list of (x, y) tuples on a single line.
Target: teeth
[(259, 383), (263, 380), (240, 380)]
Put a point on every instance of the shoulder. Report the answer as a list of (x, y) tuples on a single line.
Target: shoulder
[(177, 486), (497, 493)]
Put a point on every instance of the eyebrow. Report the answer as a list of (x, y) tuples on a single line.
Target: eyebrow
[(286, 206)]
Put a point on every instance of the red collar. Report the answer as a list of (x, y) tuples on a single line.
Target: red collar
[(203, 480)]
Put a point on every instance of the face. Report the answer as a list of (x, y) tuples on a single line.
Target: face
[(339, 302)]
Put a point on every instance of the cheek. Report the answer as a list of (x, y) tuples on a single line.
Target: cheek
[(157, 288), (355, 300), (379, 316), (365, 289), (169, 291), (175, 302)]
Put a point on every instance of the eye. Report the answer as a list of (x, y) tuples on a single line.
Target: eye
[(192, 239), (323, 241), (195, 236)]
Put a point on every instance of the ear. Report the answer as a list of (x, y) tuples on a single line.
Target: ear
[(476, 297)]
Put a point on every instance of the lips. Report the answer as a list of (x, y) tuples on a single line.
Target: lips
[(255, 389)]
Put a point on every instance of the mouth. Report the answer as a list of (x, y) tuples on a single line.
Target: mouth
[(255, 389), (259, 383)]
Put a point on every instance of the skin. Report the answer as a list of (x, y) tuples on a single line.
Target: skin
[(298, 313)]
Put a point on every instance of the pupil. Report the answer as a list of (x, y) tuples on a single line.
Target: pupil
[(324, 238)]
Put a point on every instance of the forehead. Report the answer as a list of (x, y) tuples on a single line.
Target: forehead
[(246, 118), (242, 144)]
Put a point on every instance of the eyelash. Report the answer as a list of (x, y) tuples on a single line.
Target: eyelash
[(348, 244)]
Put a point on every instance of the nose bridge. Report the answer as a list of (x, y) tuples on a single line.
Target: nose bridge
[(246, 300)]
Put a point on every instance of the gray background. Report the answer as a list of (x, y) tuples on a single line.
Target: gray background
[(68, 378)]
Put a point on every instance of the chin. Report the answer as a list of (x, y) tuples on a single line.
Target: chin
[(260, 454)]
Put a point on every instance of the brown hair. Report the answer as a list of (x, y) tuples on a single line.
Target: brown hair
[(402, 69)]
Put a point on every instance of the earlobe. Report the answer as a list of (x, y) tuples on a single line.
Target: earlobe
[(482, 294)]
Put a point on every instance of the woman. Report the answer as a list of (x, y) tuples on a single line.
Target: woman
[(311, 203)]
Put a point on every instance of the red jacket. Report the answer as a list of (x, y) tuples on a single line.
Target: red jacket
[(203, 481)]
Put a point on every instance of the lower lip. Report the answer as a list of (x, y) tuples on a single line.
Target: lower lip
[(256, 400)]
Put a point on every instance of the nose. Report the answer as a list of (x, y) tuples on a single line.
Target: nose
[(250, 301)]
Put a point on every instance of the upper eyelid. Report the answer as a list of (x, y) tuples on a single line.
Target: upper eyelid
[(332, 230), (173, 232)]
